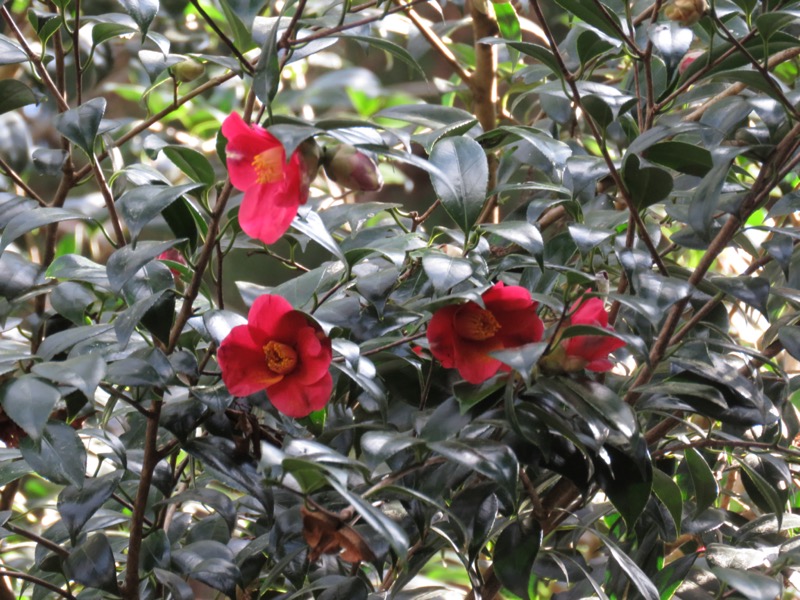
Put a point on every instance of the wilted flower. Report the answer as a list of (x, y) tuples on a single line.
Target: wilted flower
[(282, 351), (352, 169), (686, 12), (584, 351), (461, 336), (273, 188)]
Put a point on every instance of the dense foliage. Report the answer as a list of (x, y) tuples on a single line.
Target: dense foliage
[(397, 298)]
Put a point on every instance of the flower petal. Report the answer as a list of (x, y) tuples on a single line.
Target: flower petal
[(241, 359), (442, 335), (245, 142), (519, 327), (591, 311), (299, 400), (315, 354), (264, 215), (473, 361), (265, 316), (501, 298)]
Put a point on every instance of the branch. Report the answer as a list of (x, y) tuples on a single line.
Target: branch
[(37, 62), (14, 176), (33, 579), (576, 97), (437, 44), (108, 198), (44, 542), (225, 39)]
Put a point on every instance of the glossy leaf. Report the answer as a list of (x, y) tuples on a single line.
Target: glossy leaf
[(463, 162), (59, 455), (28, 401), (80, 125), (14, 94), (514, 554)]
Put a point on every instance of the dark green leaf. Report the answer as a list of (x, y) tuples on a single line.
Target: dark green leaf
[(427, 115), (80, 125), (58, 456), (638, 577), (768, 23), (11, 53), (588, 238), (705, 198), (514, 554), (193, 163), (592, 14), (28, 401), (74, 266), (647, 185), (126, 262), (34, 219), (681, 156), (179, 589), (142, 204), (522, 358), (752, 586), (48, 162), (753, 291), (521, 233), (311, 225), (445, 271), (267, 74), (77, 504), (64, 340), (790, 340), (155, 551), (668, 492), (127, 321), (390, 47), (463, 162), (92, 564), (703, 480), (141, 11), (14, 94), (82, 372), (540, 53)]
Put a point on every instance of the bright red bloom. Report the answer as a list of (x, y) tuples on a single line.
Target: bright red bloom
[(588, 351), (282, 351), (273, 188), (461, 336)]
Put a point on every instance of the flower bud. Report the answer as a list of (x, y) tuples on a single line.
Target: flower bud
[(688, 59), (309, 157), (686, 12), (352, 169), (188, 70)]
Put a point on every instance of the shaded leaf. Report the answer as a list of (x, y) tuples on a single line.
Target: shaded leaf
[(463, 162), (514, 554), (92, 564), (80, 125), (14, 94), (58, 456), (28, 401)]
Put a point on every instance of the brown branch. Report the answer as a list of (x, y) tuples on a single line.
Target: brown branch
[(225, 39), (38, 65), (576, 97), (76, 49), (108, 198), (19, 182), (33, 579), (44, 542), (437, 44), (283, 43)]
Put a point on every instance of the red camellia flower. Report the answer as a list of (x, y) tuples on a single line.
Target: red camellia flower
[(585, 351), (282, 351), (273, 188), (461, 336)]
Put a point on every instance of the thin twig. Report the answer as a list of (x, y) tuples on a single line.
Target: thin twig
[(437, 43), (225, 39), (44, 542), (283, 43), (38, 65), (76, 49), (108, 198), (41, 582), (14, 176)]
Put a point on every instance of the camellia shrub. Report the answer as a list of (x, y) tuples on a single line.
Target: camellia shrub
[(399, 299)]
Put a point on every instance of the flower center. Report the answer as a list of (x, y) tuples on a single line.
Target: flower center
[(269, 165), (477, 324), (281, 359)]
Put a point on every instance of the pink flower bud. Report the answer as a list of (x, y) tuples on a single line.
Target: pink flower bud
[(352, 169), (688, 59)]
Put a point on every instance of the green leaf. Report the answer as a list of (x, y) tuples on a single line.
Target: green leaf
[(703, 480), (522, 358), (680, 156), (668, 492), (58, 456), (753, 291), (267, 74), (126, 262), (491, 459), (11, 53), (387, 529), (92, 564), (141, 11), (311, 225), (194, 164), (789, 337), (590, 46), (14, 94), (64, 340), (179, 589), (77, 504), (28, 401), (126, 321), (241, 32), (752, 586), (521, 233), (391, 48), (142, 204), (540, 53), (769, 23), (427, 115), (79, 268), (82, 372), (638, 577), (514, 554), (463, 162), (647, 185), (25, 222), (80, 125), (445, 271), (592, 14)]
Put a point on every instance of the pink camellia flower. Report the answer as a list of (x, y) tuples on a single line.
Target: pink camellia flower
[(688, 59), (584, 351), (273, 188), (461, 336), (282, 351), (175, 256)]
